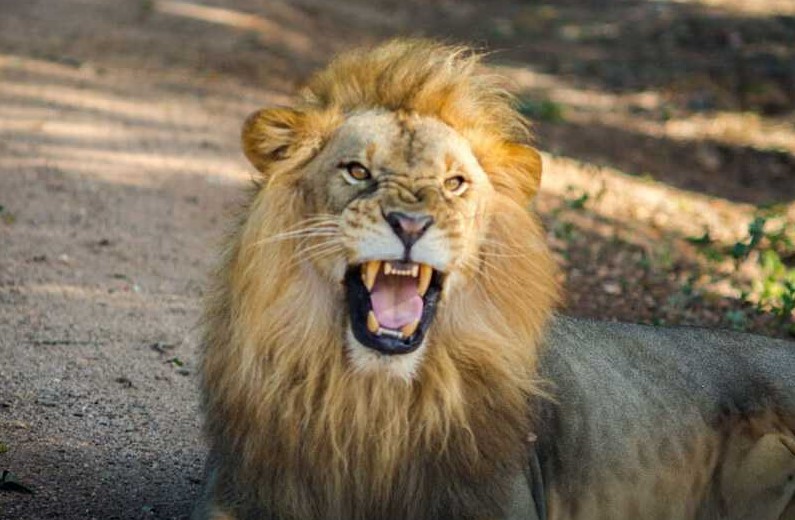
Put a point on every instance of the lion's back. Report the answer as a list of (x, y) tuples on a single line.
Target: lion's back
[(640, 411)]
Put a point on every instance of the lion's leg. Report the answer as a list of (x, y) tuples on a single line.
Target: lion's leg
[(758, 476)]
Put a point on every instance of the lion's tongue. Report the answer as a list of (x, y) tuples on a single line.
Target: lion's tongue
[(395, 301)]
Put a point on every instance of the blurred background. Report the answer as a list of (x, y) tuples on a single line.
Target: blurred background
[(668, 134)]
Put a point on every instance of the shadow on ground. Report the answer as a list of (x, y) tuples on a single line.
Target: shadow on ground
[(95, 483)]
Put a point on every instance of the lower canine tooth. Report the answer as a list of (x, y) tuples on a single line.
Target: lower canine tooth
[(372, 322), (408, 330), (424, 282)]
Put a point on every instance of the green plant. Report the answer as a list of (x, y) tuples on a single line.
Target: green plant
[(564, 230), (787, 300), (703, 240), (776, 288), (773, 290), (737, 319), (756, 230), (577, 203)]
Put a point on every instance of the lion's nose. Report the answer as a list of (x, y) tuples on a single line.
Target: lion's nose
[(408, 228)]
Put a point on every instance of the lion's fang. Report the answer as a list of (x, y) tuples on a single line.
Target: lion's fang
[(408, 330), (426, 272), (372, 322), (369, 272)]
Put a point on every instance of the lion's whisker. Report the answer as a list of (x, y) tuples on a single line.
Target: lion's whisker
[(304, 233), (319, 250)]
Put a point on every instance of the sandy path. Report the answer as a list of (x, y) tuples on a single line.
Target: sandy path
[(115, 197), (113, 186)]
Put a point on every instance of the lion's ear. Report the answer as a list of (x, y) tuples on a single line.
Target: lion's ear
[(517, 172), (268, 136)]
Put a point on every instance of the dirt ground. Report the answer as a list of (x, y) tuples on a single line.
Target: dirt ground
[(667, 127)]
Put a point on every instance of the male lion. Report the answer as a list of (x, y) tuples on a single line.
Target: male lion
[(371, 344)]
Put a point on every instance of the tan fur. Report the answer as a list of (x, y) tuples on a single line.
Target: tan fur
[(294, 430)]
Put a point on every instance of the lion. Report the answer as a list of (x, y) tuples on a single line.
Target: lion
[(381, 342)]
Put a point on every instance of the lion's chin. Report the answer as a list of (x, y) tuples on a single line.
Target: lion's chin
[(365, 360), (391, 305)]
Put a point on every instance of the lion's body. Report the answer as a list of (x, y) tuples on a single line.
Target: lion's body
[(314, 411), (656, 422)]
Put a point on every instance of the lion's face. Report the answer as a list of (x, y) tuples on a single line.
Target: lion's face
[(396, 211), (401, 179)]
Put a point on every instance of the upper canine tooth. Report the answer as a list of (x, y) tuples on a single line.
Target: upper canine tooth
[(415, 270), (369, 272), (426, 272), (387, 268)]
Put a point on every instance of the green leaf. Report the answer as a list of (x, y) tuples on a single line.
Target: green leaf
[(579, 202), (703, 240), (737, 319), (757, 227), (175, 361), (740, 250), (712, 254)]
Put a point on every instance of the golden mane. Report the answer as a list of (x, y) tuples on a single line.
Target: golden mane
[(417, 76), (287, 416), (423, 77)]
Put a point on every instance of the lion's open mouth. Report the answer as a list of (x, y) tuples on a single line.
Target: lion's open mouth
[(392, 304)]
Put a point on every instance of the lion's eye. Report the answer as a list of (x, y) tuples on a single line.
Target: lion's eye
[(354, 172), (456, 184)]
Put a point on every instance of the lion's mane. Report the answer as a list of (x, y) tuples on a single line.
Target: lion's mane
[(291, 424)]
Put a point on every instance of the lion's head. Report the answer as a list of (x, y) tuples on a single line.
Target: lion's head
[(414, 174), (387, 279)]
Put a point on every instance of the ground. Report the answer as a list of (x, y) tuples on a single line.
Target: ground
[(667, 128)]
